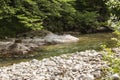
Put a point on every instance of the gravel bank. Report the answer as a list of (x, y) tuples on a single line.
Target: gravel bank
[(77, 66)]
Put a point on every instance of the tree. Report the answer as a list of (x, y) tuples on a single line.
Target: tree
[(17, 16), (114, 11)]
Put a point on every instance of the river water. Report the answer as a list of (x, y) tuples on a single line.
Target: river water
[(86, 42)]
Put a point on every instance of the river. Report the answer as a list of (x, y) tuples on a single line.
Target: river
[(86, 42)]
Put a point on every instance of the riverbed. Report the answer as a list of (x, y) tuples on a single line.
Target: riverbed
[(86, 42)]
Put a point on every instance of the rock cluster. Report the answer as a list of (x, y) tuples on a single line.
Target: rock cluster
[(23, 46), (77, 66), (117, 51), (16, 48)]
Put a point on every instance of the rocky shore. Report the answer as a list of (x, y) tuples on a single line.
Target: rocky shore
[(26, 45), (85, 65)]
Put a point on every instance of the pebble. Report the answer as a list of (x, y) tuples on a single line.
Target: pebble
[(77, 66), (115, 77)]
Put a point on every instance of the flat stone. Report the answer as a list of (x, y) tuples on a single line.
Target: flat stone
[(53, 38)]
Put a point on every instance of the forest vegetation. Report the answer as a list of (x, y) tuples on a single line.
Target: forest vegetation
[(84, 16)]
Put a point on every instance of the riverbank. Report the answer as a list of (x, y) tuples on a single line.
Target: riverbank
[(81, 55), (20, 47), (77, 66), (84, 65), (86, 42)]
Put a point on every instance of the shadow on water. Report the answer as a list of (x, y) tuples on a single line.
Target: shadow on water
[(86, 42)]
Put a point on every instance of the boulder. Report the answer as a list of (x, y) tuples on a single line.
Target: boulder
[(115, 77), (53, 38), (17, 48)]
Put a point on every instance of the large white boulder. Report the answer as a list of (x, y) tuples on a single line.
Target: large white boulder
[(53, 38)]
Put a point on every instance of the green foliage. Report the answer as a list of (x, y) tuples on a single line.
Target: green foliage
[(54, 15), (112, 60), (63, 16), (31, 21), (87, 21), (114, 11), (19, 16), (114, 7), (93, 5), (114, 22)]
